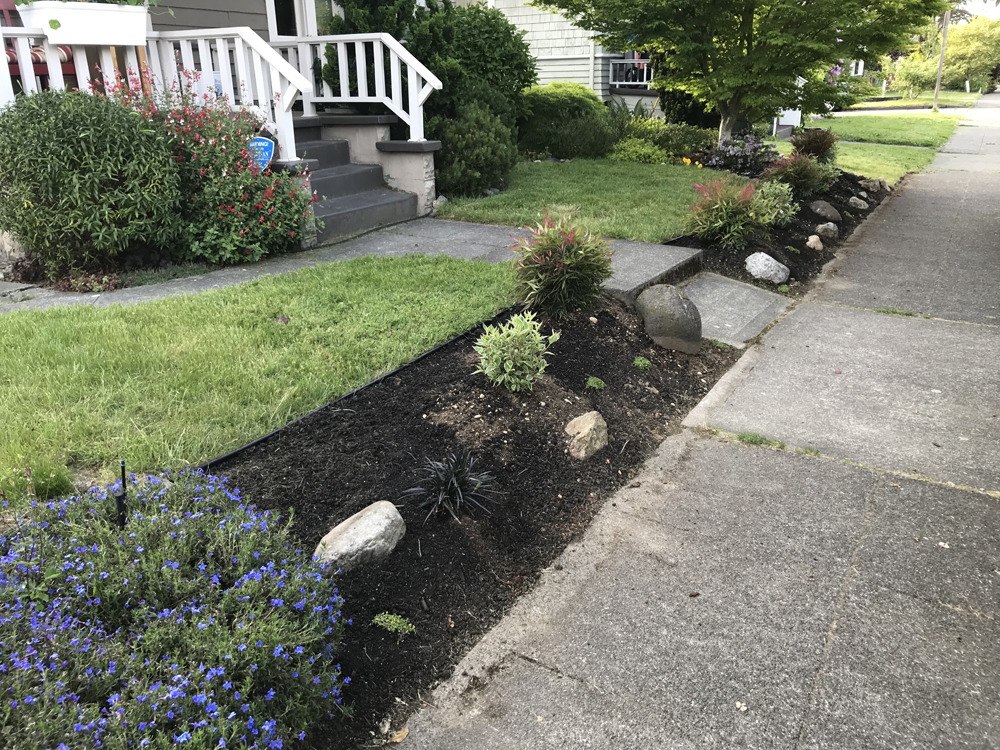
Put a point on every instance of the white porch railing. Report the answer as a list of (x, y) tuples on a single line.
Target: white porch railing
[(234, 62), (370, 70), (636, 74)]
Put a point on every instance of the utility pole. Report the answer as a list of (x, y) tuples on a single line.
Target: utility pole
[(944, 42)]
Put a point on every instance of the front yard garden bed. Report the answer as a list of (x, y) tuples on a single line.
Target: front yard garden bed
[(454, 581), (787, 244)]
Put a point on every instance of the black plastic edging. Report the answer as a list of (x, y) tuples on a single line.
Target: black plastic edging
[(234, 453)]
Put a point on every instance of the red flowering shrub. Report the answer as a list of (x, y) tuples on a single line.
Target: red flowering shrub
[(231, 210), (726, 214)]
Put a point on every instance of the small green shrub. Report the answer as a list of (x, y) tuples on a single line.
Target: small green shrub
[(512, 354), (453, 485), (784, 289), (396, 624), (596, 384), (775, 203), (477, 152), (638, 150), (725, 214), (642, 364), (584, 138), (561, 267), (805, 175), (547, 110), (82, 178), (816, 142), (674, 139), (200, 622)]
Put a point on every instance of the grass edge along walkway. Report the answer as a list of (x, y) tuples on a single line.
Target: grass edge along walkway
[(182, 380)]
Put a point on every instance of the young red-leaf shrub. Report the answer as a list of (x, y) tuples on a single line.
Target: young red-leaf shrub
[(231, 210), (804, 174), (561, 266), (726, 215), (198, 623)]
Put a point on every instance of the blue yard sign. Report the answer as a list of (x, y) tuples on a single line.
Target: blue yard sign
[(263, 151)]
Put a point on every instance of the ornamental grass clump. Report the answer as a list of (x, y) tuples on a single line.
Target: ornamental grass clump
[(453, 486), (560, 266), (199, 623), (512, 354)]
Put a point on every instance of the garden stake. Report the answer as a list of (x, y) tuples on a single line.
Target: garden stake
[(120, 497)]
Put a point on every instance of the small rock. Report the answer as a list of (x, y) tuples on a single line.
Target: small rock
[(589, 433), (367, 536), (872, 186), (828, 231), (763, 266), (814, 242), (440, 201), (491, 191), (862, 194), (857, 203), (824, 209), (884, 184), (671, 319), (594, 321)]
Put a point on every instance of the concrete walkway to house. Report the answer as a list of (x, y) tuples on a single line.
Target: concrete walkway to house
[(844, 596)]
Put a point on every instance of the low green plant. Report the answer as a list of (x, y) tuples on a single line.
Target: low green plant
[(805, 175), (82, 178), (676, 139), (774, 202), (560, 266), (642, 364), (725, 214), (200, 610), (753, 438), (638, 150), (453, 485), (792, 249), (396, 624), (720, 344), (819, 143), (512, 354), (596, 384), (784, 289), (809, 451)]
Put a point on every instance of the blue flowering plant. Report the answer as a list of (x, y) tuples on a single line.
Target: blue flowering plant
[(198, 624)]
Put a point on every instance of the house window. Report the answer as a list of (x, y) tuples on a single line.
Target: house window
[(284, 17), (857, 68)]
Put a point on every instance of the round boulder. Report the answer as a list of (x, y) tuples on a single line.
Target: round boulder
[(763, 266), (367, 536), (826, 211), (828, 231), (671, 319)]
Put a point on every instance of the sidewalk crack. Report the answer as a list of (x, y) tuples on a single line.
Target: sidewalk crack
[(559, 672), (847, 584)]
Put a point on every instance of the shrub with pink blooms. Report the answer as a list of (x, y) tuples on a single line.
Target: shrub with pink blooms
[(561, 266), (727, 215)]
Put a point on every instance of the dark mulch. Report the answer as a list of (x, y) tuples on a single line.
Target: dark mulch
[(805, 264), (454, 581)]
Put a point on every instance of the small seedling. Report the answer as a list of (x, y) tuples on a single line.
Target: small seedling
[(793, 249), (394, 624), (720, 344), (596, 384), (642, 364), (810, 451), (753, 438), (453, 485), (784, 289)]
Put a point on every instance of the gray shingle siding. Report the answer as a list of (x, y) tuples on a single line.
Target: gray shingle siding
[(211, 14)]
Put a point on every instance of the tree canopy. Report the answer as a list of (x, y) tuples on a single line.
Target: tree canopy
[(745, 56)]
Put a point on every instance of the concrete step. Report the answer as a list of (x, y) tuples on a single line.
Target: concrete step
[(731, 311), (311, 128), (352, 214), (327, 153), (335, 182)]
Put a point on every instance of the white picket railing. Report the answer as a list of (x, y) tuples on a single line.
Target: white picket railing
[(636, 74), (370, 70), (234, 62)]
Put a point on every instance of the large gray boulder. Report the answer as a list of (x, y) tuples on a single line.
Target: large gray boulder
[(763, 266), (366, 537), (671, 319), (828, 231), (872, 186), (590, 434), (826, 211)]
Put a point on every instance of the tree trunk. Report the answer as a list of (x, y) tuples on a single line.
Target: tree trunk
[(730, 116)]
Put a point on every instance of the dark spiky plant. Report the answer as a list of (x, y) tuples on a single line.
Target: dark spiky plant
[(453, 485)]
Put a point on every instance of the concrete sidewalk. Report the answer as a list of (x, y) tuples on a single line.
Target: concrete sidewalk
[(748, 597)]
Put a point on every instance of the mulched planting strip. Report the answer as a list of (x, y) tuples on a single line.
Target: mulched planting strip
[(454, 581)]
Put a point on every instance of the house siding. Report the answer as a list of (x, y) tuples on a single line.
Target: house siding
[(211, 14), (563, 51)]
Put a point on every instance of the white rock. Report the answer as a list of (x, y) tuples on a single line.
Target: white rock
[(763, 266), (862, 194), (828, 231), (857, 203), (590, 434), (814, 242), (367, 536), (440, 201)]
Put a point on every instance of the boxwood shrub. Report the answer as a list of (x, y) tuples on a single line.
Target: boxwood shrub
[(82, 178), (559, 114), (199, 623)]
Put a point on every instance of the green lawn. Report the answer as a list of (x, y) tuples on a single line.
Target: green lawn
[(901, 128), (890, 162), (182, 380), (953, 98), (626, 200)]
